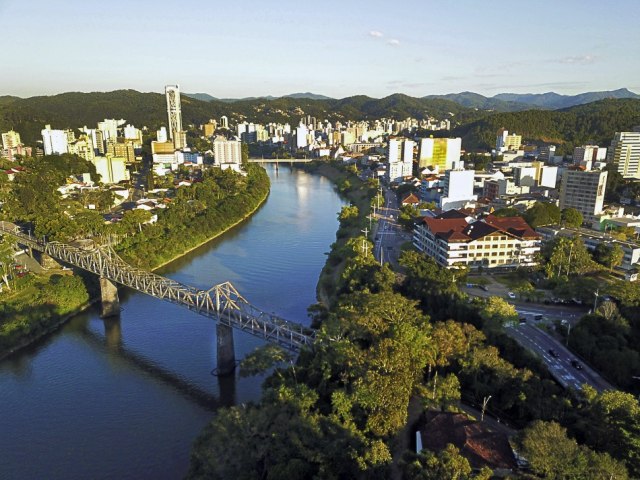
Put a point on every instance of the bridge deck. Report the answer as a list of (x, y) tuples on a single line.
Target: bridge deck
[(222, 302)]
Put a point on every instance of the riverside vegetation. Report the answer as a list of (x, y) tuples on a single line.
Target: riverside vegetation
[(197, 213), (339, 409)]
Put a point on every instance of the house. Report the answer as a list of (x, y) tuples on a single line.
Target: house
[(478, 444), (456, 239), (411, 199)]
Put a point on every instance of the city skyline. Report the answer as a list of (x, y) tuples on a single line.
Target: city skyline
[(334, 49)]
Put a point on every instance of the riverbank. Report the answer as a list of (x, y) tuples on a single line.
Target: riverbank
[(26, 317), (360, 195)]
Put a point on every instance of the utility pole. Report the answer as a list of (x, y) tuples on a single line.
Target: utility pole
[(595, 302), (365, 245)]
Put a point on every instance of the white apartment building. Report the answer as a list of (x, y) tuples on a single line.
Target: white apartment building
[(111, 169), (54, 141), (457, 189), (400, 159), (227, 153), (454, 239), (583, 191), (625, 152)]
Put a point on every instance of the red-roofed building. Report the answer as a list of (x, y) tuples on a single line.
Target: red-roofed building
[(455, 239)]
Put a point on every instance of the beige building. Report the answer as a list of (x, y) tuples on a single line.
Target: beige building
[(625, 152), (583, 191), (454, 239)]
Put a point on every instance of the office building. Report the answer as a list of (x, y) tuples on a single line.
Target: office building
[(440, 153), (301, 136), (625, 152), (505, 142), (583, 191), (589, 153), (525, 176)]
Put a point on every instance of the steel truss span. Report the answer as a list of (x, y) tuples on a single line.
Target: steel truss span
[(221, 302)]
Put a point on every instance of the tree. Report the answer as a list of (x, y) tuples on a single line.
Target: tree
[(6, 258), (553, 455), (447, 464), (567, 256), (609, 255), (497, 312), (542, 213), (571, 217)]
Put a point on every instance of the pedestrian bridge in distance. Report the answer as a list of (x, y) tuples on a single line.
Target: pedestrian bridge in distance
[(222, 302)]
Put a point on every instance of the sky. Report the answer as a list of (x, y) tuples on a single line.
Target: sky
[(338, 48)]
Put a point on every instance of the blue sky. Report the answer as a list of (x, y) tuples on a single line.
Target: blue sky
[(336, 48)]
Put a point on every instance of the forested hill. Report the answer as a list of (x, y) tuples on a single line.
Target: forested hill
[(594, 122), (74, 109)]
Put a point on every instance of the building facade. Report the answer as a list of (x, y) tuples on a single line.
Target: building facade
[(583, 191), (441, 153), (625, 153), (455, 240)]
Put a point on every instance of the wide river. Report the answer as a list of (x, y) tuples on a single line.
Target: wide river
[(126, 398)]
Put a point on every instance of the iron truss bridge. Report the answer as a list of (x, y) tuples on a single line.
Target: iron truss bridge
[(222, 302)]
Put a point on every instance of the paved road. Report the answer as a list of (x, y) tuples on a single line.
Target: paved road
[(566, 374), (389, 235)]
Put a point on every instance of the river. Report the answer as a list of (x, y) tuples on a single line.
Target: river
[(125, 398)]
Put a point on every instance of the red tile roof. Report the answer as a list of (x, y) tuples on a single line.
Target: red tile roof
[(476, 443), (514, 225)]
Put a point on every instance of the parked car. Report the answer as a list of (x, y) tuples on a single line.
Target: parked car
[(511, 295)]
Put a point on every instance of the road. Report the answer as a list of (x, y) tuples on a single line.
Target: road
[(539, 342), (389, 235)]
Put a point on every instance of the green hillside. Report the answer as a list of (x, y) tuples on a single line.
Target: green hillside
[(596, 122)]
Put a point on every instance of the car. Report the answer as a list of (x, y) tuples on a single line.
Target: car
[(484, 287), (537, 318), (553, 353), (511, 295), (523, 320), (575, 364)]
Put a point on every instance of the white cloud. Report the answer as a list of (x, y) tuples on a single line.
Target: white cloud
[(576, 60), (394, 42), (376, 34)]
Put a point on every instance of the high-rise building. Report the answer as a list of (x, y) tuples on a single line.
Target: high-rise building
[(227, 152), (583, 191), (10, 140), (301, 136), (625, 152), (121, 148), (439, 152), (400, 159), (54, 141), (224, 122), (111, 169), (174, 111), (457, 189)]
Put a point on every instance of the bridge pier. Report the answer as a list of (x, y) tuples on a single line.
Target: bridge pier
[(225, 351), (109, 296), (44, 260)]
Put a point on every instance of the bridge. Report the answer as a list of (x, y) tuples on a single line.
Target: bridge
[(281, 160), (222, 302)]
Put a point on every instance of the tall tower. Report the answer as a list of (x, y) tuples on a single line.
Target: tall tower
[(174, 111)]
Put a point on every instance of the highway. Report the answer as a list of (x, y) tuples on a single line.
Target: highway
[(566, 374)]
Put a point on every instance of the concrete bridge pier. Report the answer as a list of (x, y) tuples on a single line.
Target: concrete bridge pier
[(109, 296), (226, 352), (45, 260)]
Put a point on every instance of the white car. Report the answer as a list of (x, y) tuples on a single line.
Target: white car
[(511, 295)]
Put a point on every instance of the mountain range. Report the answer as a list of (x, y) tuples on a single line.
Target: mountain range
[(502, 102)]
